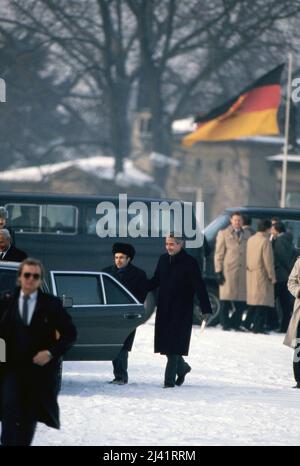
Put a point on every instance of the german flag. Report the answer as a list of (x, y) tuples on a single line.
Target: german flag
[(253, 112)]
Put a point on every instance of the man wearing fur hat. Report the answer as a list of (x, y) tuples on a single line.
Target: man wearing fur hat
[(135, 280)]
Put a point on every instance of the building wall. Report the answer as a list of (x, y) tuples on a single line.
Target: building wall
[(224, 175)]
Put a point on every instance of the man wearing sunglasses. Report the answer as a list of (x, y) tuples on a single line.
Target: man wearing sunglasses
[(37, 331)]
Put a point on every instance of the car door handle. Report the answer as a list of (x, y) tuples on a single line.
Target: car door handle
[(132, 316)]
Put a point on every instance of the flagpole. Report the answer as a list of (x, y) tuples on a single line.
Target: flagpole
[(286, 132)]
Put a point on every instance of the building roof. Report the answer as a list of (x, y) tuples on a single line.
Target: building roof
[(280, 158), (99, 166)]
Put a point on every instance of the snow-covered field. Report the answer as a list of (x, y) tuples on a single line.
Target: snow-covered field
[(238, 393)]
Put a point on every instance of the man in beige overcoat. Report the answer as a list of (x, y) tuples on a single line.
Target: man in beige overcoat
[(230, 268), (293, 332), (260, 275)]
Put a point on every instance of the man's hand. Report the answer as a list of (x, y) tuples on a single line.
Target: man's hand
[(220, 278), (42, 358), (206, 317)]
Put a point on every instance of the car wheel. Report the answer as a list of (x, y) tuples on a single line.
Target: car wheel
[(215, 304)]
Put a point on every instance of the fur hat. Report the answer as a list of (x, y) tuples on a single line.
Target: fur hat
[(124, 248)]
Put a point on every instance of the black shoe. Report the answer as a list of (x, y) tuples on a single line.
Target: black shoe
[(297, 385), (169, 385), (118, 382), (180, 378), (262, 332), (241, 329)]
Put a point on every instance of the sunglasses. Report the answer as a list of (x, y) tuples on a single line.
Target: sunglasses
[(35, 276)]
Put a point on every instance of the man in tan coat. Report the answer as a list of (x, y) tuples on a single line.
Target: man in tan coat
[(292, 337), (260, 275), (230, 268)]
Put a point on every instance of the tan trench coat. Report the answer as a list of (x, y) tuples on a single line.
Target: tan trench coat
[(230, 258), (294, 289), (260, 271)]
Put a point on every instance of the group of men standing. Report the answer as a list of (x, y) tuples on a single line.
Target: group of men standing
[(252, 269)]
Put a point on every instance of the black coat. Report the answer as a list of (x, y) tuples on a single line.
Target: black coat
[(285, 256), (49, 318), (14, 255), (135, 280), (179, 279)]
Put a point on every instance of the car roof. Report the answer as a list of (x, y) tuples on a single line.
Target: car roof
[(52, 197), (10, 265), (265, 211)]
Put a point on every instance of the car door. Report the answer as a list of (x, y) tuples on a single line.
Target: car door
[(103, 310)]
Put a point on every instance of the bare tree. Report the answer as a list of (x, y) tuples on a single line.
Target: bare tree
[(95, 41), (185, 46), (182, 54)]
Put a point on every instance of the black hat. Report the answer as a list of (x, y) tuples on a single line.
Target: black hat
[(124, 248)]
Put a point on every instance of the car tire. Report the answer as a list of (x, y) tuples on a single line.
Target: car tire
[(215, 304)]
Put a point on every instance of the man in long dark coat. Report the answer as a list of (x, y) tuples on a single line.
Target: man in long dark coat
[(178, 278), (135, 280), (37, 331), (8, 252), (285, 256)]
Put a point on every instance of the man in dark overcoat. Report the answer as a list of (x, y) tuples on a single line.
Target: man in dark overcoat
[(178, 278), (285, 256), (135, 280), (37, 332), (8, 252)]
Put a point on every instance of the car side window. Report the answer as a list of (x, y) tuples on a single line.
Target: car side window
[(24, 218), (59, 219), (115, 294), (83, 289), (293, 228)]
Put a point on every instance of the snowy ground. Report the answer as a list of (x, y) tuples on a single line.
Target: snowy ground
[(238, 393)]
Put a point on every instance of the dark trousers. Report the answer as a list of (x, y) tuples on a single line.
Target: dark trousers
[(260, 318), (18, 411), (286, 304), (120, 365), (236, 318), (176, 366), (296, 361)]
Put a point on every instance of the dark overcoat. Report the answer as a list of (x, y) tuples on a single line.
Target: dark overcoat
[(51, 329), (135, 280), (285, 256), (14, 255), (179, 279)]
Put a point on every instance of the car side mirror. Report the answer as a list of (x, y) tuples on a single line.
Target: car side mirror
[(67, 301)]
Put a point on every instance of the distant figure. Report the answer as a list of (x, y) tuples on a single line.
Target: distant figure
[(230, 268), (28, 220), (260, 275), (135, 280), (3, 222), (292, 338), (284, 258), (274, 220), (8, 252), (247, 222)]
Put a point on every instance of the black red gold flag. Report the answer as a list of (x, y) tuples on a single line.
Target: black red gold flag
[(253, 112)]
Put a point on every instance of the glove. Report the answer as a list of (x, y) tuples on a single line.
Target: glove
[(205, 317), (220, 278)]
